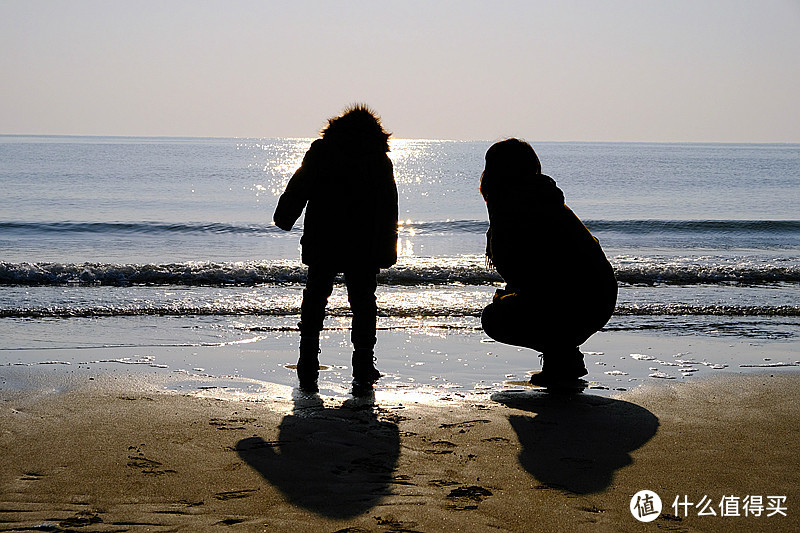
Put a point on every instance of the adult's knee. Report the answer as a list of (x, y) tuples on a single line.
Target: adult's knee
[(491, 323), (506, 324)]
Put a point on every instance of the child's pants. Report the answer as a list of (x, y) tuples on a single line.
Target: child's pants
[(361, 284)]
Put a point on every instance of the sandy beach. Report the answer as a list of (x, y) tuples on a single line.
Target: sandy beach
[(103, 453)]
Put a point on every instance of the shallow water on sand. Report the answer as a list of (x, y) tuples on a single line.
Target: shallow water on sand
[(241, 361)]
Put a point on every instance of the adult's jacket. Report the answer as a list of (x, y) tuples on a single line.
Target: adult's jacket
[(545, 253)]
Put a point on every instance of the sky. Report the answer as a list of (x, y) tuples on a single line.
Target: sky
[(567, 70)]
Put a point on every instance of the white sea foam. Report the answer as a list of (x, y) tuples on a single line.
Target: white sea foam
[(767, 365), (661, 375)]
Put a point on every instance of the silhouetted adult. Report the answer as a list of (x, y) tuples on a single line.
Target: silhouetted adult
[(560, 288), (346, 185)]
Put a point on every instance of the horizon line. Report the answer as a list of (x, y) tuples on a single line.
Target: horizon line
[(124, 136)]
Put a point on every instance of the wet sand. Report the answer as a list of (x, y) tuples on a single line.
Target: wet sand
[(102, 455)]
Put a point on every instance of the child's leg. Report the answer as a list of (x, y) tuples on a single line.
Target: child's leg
[(319, 285), (361, 286)]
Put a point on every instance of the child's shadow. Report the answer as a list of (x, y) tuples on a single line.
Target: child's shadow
[(577, 442), (335, 462)]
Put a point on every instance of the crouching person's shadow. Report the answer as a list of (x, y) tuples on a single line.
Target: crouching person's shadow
[(577, 442), (337, 463)]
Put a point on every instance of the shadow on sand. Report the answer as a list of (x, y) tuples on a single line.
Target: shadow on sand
[(336, 462), (576, 442)]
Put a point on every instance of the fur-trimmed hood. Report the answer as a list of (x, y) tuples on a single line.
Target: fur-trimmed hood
[(358, 129)]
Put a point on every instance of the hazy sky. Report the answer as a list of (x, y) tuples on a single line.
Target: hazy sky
[(613, 70)]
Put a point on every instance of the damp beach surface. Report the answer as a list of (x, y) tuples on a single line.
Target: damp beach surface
[(104, 451), (435, 362), (213, 437), (243, 361), (212, 434)]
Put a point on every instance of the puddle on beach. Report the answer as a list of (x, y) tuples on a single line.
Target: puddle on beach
[(416, 365)]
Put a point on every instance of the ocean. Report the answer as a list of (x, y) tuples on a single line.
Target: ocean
[(161, 253)]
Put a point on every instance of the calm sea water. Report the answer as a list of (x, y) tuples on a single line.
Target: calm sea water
[(144, 243)]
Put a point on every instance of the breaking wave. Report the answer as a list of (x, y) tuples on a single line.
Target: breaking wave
[(466, 271), (147, 228), (178, 309), (744, 229)]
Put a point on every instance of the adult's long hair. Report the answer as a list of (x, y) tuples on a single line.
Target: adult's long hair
[(509, 164)]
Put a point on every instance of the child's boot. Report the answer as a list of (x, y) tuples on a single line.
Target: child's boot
[(308, 364), (364, 372)]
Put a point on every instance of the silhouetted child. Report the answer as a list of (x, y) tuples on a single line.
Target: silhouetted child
[(346, 185), (560, 288)]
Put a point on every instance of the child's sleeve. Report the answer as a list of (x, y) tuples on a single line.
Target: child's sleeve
[(294, 198)]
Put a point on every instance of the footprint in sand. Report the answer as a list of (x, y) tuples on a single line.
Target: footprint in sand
[(391, 522), (230, 423), (496, 439), (441, 447), (465, 424), (149, 467), (234, 494), (442, 483), (81, 519), (466, 498)]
